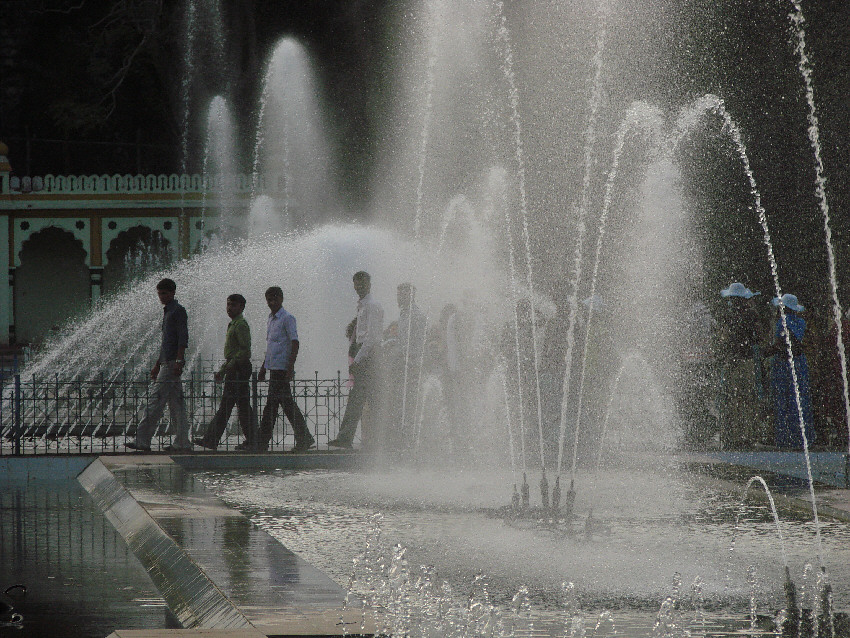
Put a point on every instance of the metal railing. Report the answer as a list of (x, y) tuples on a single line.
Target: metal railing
[(136, 184), (54, 414)]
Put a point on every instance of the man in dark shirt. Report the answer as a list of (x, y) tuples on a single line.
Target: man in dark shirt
[(168, 388)]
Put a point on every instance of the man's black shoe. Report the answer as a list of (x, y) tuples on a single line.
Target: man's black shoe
[(245, 447), (339, 443), (304, 446), (174, 448), (135, 446), (201, 442)]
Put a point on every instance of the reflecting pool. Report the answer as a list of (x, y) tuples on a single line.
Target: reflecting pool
[(81, 580)]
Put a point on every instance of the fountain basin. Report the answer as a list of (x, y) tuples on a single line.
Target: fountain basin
[(655, 527)]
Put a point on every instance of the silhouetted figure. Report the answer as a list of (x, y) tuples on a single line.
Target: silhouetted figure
[(281, 353), (787, 430), (402, 350), (282, 347), (742, 384), (236, 375), (166, 372), (367, 341)]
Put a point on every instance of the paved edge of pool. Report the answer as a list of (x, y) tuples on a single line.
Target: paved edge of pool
[(784, 473), (726, 470), (143, 496)]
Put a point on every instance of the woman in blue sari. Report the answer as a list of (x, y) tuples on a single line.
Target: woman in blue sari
[(788, 434)]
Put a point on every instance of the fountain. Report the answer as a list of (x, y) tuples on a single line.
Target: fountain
[(291, 142), (456, 217)]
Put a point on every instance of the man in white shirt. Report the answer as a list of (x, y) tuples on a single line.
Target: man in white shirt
[(364, 350), (281, 351)]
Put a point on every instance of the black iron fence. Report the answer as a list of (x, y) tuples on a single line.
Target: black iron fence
[(51, 414)]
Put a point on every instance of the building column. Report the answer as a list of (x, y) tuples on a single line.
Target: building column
[(5, 169), (8, 305), (96, 284), (7, 317)]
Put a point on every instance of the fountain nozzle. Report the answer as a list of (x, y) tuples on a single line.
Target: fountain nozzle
[(515, 506), (825, 618), (792, 611)]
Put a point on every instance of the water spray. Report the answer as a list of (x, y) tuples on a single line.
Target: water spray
[(504, 39), (645, 120), (714, 104), (804, 65), (589, 144)]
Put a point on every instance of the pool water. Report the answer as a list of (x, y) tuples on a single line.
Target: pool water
[(656, 534), (81, 579)]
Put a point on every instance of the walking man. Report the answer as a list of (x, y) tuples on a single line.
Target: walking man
[(364, 368), (401, 353), (281, 352), (168, 388), (236, 374)]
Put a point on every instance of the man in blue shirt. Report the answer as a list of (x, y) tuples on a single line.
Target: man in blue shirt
[(168, 388), (281, 352)]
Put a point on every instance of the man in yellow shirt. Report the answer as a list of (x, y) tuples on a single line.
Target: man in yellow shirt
[(236, 375)]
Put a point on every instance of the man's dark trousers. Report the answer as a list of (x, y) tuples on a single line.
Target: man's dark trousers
[(280, 394), (365, 385), (237, 392)]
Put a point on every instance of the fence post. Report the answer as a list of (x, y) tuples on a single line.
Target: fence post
[(255, 407), (190, 400), (847, 471), (103, 415), (338, 411), (17, 423)]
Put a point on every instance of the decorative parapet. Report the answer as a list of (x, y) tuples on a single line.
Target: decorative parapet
[(138, 184)]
